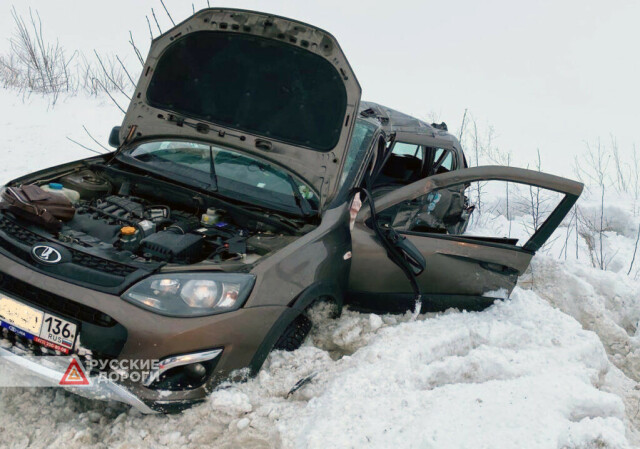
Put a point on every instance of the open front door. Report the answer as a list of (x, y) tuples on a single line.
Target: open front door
[(468, 269)]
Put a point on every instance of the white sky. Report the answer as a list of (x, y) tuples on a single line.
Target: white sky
[(545, 74)]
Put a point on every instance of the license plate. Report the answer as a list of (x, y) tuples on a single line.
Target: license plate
[(43, 328)]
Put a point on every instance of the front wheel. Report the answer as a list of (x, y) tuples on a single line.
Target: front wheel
[(294, 335)]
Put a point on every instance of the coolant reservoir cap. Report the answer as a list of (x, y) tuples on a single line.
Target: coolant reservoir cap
[(128, 230), (55, 186)]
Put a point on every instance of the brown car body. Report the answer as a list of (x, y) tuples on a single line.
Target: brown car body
[(325, 260)]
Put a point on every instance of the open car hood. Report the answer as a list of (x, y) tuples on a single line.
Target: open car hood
[(262, 84)]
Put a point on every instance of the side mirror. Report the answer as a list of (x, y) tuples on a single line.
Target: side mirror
[(114, 137)]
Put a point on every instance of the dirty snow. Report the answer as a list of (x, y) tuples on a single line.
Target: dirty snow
[(520, 374), (554, 367)]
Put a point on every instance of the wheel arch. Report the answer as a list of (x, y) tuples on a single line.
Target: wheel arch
[(311, 295)]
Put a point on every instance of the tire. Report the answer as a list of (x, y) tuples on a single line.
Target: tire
[(294, 335)]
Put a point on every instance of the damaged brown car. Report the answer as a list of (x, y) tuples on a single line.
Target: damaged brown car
[(227, 211)]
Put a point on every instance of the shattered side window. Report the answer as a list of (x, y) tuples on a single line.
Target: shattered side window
[(493, 211)]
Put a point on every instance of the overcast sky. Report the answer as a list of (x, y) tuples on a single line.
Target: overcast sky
[(544, 74)]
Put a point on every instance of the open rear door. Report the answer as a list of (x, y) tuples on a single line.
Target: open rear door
[(466, 270)]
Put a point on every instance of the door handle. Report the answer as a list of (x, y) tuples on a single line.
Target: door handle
[(498, 268)]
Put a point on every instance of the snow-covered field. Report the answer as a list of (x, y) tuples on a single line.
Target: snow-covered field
[(554, 367)]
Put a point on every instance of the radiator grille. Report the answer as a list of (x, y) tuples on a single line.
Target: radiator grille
[(53, 302)]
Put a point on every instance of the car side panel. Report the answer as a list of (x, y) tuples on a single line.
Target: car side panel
[(454, 266), (318, 256)]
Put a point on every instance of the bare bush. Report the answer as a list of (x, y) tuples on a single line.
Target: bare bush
[(592, 168), (603, 166), (634, 183), (593, 229), (480, 145), (635, 251), (482, 150), (10, 76), (620, 173), (94, 77), (595, 169), (535, 203), (35, 65), (573, 219)]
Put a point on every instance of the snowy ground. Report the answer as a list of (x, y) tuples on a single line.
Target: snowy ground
[(555, 367), (518, 375)]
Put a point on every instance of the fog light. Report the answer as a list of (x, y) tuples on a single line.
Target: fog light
[(194, 366), (196, 371)]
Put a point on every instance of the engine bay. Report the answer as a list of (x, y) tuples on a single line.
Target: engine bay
[(121, 218), (130, 223)]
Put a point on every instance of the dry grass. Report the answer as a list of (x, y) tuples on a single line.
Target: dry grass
[(37, 65)]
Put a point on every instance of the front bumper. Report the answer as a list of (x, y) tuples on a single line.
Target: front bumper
[(154, 337), (102, 389)]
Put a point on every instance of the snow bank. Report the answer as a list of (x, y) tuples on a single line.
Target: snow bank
[(605, 302), (520, 374), (608, 303)]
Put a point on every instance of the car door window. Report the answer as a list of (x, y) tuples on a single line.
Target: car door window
[(494, 211), (403, 166), (407, 149), (443, 161), (363, 133)]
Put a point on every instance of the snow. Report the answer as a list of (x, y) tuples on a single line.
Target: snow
[(620, 224), (520, 374), (466, 377), (35, 134), (602, 301), (556, 366)]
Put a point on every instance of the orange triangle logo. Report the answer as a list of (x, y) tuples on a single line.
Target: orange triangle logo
[(74, 375)]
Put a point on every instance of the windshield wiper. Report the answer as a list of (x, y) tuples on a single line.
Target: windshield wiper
[(302, 203), (288, 222), (212, 170)]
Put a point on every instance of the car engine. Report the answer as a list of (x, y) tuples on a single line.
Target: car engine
[(156, 232), (126, 226)]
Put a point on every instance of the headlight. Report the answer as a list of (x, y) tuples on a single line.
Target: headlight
[(191, 294)]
